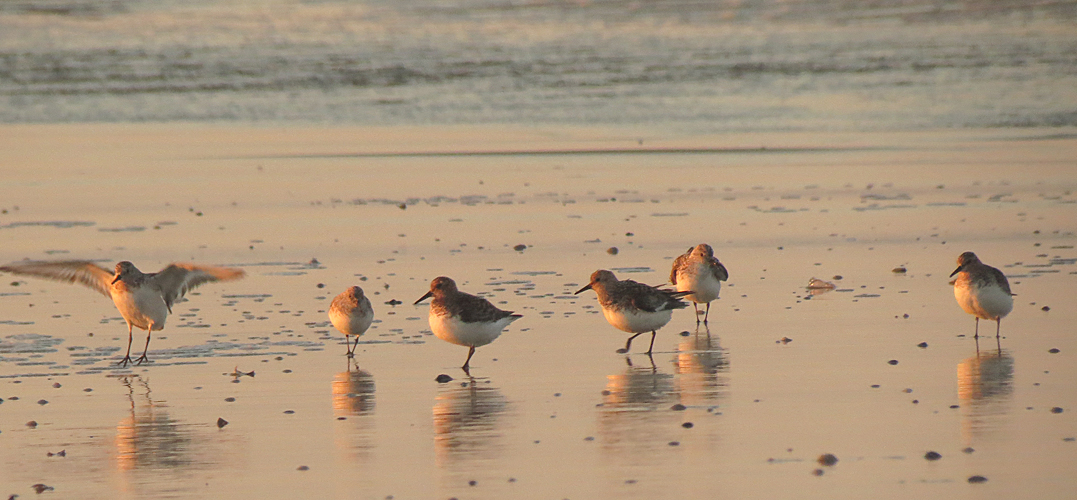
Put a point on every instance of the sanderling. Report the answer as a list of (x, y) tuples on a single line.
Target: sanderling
[(351, 314), (698, 272), (634, 307), (144, 300), (982, 291), (464, 319)]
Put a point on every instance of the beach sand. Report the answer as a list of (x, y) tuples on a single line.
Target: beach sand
[(553, 411)]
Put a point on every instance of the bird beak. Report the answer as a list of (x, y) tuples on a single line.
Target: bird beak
[(424, 297), (117, 278), (955, 271), (588, 287)]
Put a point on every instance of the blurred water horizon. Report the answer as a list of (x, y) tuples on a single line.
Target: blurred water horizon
[(701, 67)]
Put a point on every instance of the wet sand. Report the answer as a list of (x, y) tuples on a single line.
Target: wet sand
[(553, 411)]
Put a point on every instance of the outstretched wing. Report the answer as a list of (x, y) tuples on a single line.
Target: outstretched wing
[(719, 270), (82, 272), (178, 278)]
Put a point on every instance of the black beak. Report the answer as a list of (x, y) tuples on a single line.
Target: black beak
[(424, 297), (117, 278), (955, 271), (588, 287)]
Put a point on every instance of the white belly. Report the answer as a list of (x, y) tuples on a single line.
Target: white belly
[(700, 280), (143, 308), (452, 330), (637, 321), (351, 324), (989, 302)]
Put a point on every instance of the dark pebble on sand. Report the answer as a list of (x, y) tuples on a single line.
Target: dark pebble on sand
[(685, 333), (321, 285), (674, 443), (289, 412), (519, 248), (606, 392), (612, 250), (977, 479), (968, 450), (472, 482), (31, 424), (1053, 350), (688, 425), (827, 459), (678, 407), (922, 345), (1046, 308), (837, 277), (42, 402), (899, 270), (302, 467), (39, 489), (932, 455), (56, 385), (221, 422), (817, 472), (893, 361), (443, 379), (1056, 410), (230, 399)]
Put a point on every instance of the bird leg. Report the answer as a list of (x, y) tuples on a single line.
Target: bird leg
[(470, 352), (127, 358), (351, 350), (998, 327), (649, 349), (977, 334), (144, 351), (695, 307), (707, 314), (628, 345)]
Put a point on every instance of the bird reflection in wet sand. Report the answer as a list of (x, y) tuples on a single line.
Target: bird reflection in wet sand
[(700, 360), (467, 421), (353, 392), (353, 404), (985, 387), (634, 415), (150, 438)]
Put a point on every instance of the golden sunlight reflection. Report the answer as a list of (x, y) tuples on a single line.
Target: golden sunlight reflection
[(353, 401), (635, 417), (466, 421), (700, 363), (150, 438), (985, 387), (353, 393)]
